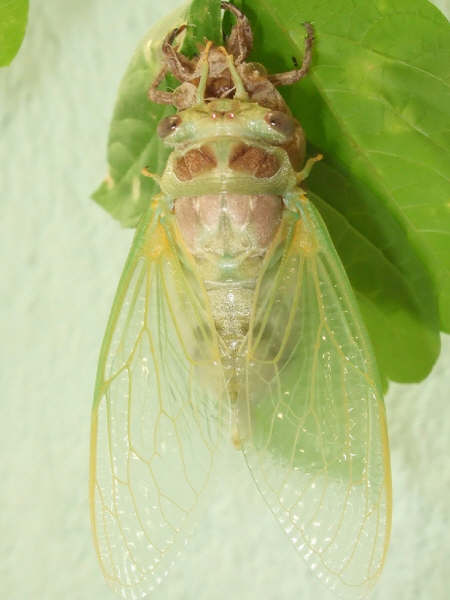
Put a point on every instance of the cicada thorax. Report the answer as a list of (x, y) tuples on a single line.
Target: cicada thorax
[(236, 150)]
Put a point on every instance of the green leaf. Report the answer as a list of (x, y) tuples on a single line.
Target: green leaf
[(376, 104), (133, 143), (402, 331), (204, 20), (13, 21)]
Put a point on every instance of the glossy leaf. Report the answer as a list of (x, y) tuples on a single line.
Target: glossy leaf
[(395, 307), (376, 103), (13, 21)]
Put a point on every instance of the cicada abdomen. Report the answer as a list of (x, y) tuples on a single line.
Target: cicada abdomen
[(234, 323)]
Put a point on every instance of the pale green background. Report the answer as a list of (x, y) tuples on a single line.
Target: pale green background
[(62, 256)]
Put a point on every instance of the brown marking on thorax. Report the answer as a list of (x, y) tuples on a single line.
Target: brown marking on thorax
[(195, 162), (253, 160)]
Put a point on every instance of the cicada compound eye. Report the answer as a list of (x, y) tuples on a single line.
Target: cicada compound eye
[(168, 125), (281, 122)]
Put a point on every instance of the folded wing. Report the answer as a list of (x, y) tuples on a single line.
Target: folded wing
[(311, 410), (158, 413)]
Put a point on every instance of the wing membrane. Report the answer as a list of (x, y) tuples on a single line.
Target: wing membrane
[(159, 412), (312, 416)]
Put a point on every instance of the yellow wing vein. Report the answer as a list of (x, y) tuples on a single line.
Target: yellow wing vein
[(334, 501), (147, 421)]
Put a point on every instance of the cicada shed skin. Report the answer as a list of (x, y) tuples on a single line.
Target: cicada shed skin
[(235, 325)]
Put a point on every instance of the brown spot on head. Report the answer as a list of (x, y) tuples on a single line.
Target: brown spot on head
[(195, 162), (281, 122), (167, 125), (253, 160)]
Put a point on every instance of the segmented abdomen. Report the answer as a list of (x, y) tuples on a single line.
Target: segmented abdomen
[(228, 236)]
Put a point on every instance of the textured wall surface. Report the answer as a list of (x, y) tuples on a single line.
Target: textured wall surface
[(61, 258)]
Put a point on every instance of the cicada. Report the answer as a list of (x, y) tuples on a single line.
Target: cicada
[(235, 327)]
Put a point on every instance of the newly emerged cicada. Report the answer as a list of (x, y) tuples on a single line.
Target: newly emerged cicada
[(235, 326)]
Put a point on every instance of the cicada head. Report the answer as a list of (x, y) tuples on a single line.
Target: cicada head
[(230, 144), (220, 83), (228, 117)]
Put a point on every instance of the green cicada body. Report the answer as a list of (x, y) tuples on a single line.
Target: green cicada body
[(234, 325)]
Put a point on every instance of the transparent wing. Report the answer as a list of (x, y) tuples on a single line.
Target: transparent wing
[(312, 417), (158, 413)]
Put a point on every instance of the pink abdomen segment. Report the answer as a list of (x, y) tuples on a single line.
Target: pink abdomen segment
[(228, 236)]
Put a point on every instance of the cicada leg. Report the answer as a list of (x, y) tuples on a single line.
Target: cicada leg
[(240, 41), (291, 77), (304, 173)]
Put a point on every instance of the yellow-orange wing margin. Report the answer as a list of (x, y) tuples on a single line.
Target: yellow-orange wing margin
[(158, 412), (312, 418)]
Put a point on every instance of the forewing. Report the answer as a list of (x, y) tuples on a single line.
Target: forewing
[(312, 416), (158, 414)]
